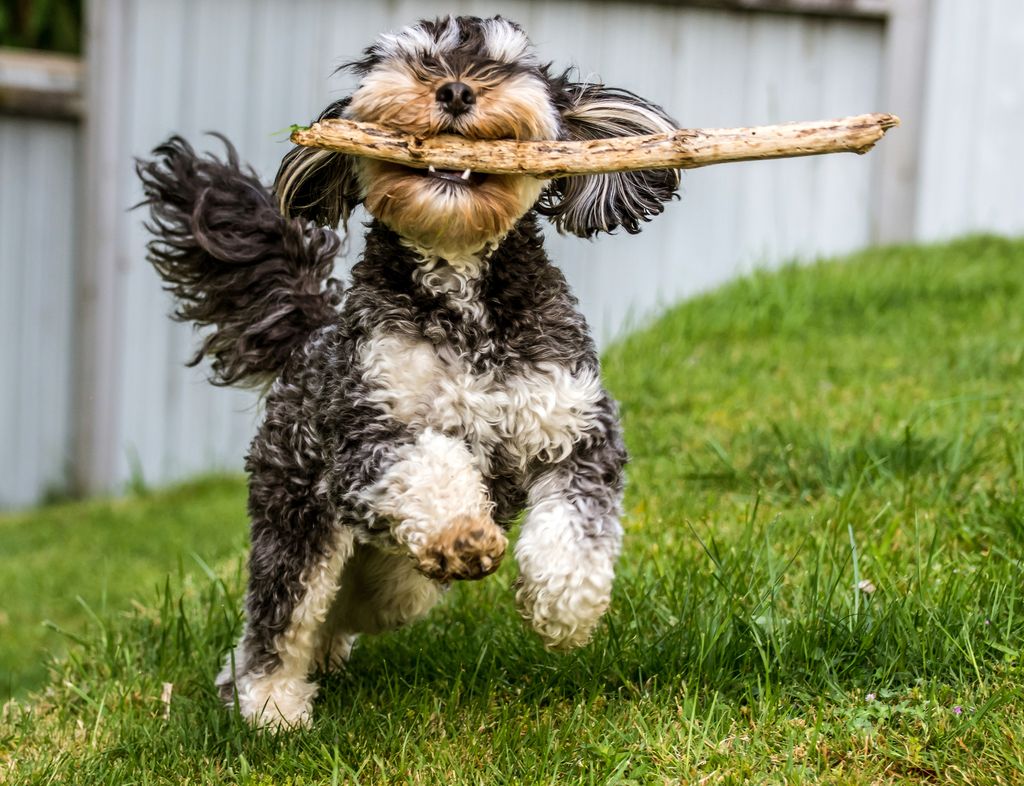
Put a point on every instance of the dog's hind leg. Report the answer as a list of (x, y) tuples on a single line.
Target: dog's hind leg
[(292, 583), (571, 537), (298, 551)]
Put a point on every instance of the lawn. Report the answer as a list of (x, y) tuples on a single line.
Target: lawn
[(822, 580), (63, 565)]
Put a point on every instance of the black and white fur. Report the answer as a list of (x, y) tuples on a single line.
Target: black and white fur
[(453, 385)]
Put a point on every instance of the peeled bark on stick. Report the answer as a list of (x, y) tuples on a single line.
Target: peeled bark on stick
[(687, 148)]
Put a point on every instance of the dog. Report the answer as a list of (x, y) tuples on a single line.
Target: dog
[(451, 387)]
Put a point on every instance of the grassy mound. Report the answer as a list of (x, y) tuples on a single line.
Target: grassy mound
[(822, 579)]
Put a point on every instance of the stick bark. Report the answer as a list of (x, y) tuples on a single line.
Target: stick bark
[(687, 148)]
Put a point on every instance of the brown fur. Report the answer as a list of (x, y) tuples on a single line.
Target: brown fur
[(467, 548), (448, 220)]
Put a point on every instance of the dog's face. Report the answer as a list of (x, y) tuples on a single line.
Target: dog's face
[(477, 78), (471, 77)]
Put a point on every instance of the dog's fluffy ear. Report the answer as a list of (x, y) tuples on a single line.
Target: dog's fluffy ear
[(587, 204), (319, 185)]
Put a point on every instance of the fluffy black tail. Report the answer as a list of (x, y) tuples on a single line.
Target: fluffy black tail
[(234, 262)]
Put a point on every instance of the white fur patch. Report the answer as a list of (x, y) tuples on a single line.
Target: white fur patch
[(278, 701), (540, 412), (283, 698), (432, 482), (416, 41), (502, 41), (505, 42), (566, 577)]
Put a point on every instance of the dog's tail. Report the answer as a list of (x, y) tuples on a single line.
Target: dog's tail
[(234, 263)]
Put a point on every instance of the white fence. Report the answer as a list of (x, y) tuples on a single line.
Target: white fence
[(117, 401), (39, 162), (972, 159), (40, 148)]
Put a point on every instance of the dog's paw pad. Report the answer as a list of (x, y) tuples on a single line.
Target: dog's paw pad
[(468, 548)]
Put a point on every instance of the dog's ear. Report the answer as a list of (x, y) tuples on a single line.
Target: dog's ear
[(587, 204), (318, 184)]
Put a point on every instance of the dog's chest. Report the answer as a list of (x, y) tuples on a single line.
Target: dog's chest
[(532, 412)]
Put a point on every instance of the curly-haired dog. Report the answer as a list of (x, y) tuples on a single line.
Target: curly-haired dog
[(452, 385)]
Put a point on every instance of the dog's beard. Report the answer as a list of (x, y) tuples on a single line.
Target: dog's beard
[(444, 212)]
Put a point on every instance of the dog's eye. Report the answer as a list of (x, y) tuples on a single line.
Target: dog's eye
[(423, 72), (429, 62), (491, 71)]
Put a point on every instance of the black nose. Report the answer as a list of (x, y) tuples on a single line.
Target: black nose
[(455, 97)]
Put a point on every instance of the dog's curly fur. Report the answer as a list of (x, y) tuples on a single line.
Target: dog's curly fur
[(453, 385)]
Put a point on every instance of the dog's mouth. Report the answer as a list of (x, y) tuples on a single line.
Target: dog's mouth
[(466, 178), (459, 178)]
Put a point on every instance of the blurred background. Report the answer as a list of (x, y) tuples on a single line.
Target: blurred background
[(95, 395)]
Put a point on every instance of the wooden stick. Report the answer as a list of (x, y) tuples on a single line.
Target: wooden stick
[(686, 148)]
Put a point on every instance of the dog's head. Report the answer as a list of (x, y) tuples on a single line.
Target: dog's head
[(478, 78)]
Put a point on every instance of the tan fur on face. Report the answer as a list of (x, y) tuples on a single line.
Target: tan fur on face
[(399, 95), (450, 218), (517, 107), (393, 95), (446, 218)]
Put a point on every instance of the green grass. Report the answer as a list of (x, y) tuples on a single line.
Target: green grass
[(793, 435), (65, 563)]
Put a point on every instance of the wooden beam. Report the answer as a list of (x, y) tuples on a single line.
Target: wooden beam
[(846, 9), (40, 84), (683, 149)]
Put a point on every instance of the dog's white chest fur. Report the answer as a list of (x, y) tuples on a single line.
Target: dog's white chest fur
[(539, 412)]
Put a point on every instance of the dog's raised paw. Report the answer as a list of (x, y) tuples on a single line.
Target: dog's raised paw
[(470, 547)]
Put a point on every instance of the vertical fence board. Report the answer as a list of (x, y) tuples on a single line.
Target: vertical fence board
[(154, 39), (974, 109), (38, 238)]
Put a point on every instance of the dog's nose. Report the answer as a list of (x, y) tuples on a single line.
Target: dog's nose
[(455, 97)]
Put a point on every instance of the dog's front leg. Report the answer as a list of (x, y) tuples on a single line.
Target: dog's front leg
[(571, 537), (436, 503)]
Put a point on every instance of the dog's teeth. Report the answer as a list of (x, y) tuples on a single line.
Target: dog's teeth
[(431, 168), (466, 174)]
